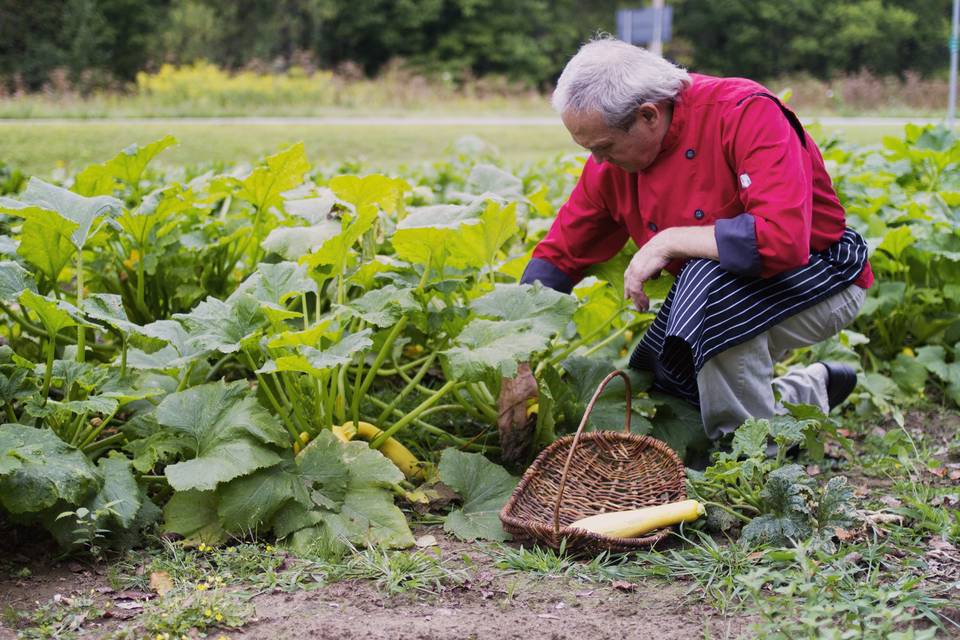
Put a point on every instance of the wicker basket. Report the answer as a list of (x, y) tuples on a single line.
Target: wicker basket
[(590, 473)]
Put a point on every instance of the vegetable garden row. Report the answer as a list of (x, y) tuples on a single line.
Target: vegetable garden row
[(198, 350)]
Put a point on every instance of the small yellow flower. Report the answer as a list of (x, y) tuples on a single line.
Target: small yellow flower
[(219, 617), (201, 587), (208, 612), (132, 261), (269, 548)]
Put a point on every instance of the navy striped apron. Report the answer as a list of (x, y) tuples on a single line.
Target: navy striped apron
[(709, 309)]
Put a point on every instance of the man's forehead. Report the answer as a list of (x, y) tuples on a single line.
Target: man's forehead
[(588, 129)]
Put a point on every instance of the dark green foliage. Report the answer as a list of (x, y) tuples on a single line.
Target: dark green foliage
[(525, 40)]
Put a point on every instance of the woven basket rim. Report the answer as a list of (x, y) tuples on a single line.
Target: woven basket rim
[(581, 537)]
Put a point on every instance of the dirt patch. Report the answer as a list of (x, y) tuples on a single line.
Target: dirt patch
[(492, 603), (484, 602)]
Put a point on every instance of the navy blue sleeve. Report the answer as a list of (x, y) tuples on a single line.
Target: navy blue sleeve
[(547, 274), (737, 245)]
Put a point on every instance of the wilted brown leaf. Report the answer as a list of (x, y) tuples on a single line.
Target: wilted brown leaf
[(161, 582)]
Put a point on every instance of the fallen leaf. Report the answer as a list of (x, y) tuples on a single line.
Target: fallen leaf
[(129, 604), (426, 541), (161, 582), (844, 535), (623, 585), (813, 470)]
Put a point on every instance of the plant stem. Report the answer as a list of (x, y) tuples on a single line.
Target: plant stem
[(385, 350), (613, 336), (81, 330), (262, 384), (738, 516), (48, 374), (437, 431), (411, 384), (413, 414)]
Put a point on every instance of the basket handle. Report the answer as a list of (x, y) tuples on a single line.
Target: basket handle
[(576, 438)]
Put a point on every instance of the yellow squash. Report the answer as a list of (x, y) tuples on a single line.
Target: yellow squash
[(392, 449), (636, 522)]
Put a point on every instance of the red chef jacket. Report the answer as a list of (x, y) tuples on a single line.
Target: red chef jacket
[(734, 156)]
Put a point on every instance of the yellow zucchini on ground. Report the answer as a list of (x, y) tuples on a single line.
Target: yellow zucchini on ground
[(636, 522), (392, 449)]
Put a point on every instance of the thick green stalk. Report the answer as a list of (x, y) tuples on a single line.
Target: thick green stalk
[(411, 385), (81, 330), (613, 336), (413, 414), (90, 433), (385, 351), (281, 412), (462, 443), (48, 374)]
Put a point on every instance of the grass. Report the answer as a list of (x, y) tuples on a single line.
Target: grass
[(42, 149)]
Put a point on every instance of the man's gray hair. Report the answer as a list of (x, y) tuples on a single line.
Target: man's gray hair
[(613, 78)]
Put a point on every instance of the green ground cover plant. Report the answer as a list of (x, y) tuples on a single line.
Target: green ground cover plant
[(183, 350)]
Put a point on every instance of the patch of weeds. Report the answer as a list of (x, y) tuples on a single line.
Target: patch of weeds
[(183, 613), (549, 563), (928, 508), (711, 565), (810, 594), (61, 617), (397, 572), (248, 565)]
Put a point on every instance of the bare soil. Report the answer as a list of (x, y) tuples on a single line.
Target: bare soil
[(491, 603)]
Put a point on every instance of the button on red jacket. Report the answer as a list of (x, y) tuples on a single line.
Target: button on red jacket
[(733, 157)]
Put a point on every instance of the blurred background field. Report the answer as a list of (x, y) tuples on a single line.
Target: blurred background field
[(166, 58), (48, 148)]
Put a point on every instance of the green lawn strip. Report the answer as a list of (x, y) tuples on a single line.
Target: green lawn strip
[(40, 149)]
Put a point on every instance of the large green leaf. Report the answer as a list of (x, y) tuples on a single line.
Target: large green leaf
[(429, 235), (383, 307), (13, 280), (38, 469), (127, 167), (78, 209), (494, 346), (55, 315), (314, 361), (119, 489), (549, 310), (107, 308), (45, 241), (274, 284), (249, 503), (295, 242), (374, 189), (193, 514), (484, 486), (233, 434), (479, 244), (215, 325), (281, 172)]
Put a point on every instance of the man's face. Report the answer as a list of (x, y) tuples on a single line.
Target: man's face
[(633, 149)]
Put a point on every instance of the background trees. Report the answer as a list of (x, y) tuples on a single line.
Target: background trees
[(99, 41)]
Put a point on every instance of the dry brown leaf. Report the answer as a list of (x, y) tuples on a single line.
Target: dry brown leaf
[(516, 430), (161, 582), (623, 585)]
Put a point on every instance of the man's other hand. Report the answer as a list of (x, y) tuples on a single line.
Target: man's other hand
[(515, 431)]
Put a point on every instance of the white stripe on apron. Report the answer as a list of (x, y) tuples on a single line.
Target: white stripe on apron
[(709, 309)]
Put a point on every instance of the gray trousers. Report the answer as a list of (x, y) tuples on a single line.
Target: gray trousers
[(738, 383)]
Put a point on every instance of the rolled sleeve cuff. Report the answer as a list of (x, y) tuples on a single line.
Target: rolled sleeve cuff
[(737, 245), (547, 274)]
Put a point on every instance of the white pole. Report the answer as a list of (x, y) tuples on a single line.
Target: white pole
[(954, 46), (656, 44)]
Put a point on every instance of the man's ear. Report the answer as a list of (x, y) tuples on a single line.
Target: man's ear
[(649, 112)]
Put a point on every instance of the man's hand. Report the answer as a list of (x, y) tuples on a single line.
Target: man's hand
[(647, 263), (515, 433), (656, 254)]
